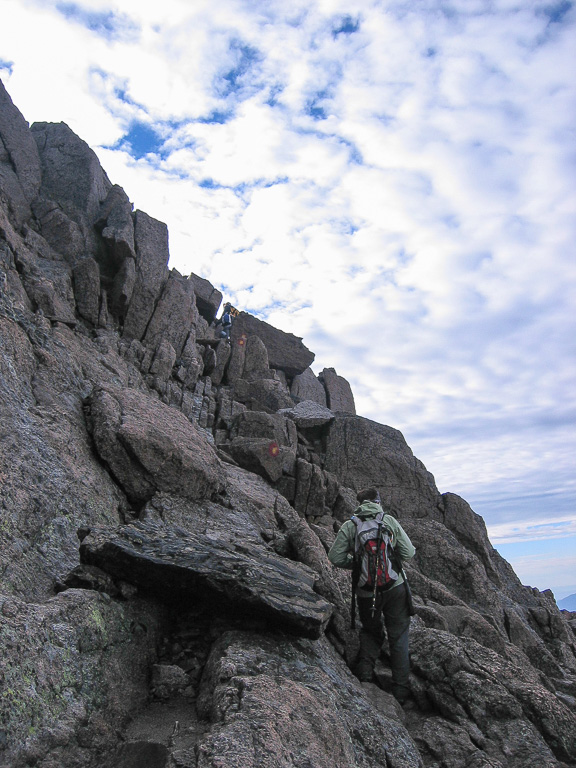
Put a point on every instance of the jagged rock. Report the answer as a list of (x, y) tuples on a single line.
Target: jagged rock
[(122, 288), (115, 222), (209, 360), (339, 395), (310, 489), (286, 352), (208, 298), (20, 173), (235, 368), (169, 562), (149, 446), (174, 315), (163, 361), (151, 243), (87, 289), (223, 352), (73, 187), (466, 680), (306, 386), (89, 577), (168, 680), (308, 414), (71, 173)]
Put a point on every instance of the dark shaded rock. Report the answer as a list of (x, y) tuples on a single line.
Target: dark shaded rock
[(20, 173), (262, 394), (223, 352), (208, 298), (174, 315), (169, 562), (87, 289), (122, 288), (306, 386), (115, 222), (137, 754), (235, 368), (339, 395), (73, 648), (168, 680), (151, 243), (149, 446), (90, 577), (285, 351)]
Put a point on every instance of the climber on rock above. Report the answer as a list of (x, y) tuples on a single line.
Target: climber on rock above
[(379, 587), (225, 321)]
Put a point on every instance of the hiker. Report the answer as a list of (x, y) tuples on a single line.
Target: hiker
[(385, 593), (226, 322)]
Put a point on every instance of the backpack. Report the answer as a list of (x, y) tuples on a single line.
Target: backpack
[(374, 554)]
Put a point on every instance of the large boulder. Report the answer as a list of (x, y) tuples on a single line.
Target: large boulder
[(169, 562), (286, 352), (272, 702), (151, 447), (262, 394), (306, 386), (339, 395), (264, 443), (363, 453)]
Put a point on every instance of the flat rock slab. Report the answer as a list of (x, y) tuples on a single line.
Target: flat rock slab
[(308, 414), (170, 562)]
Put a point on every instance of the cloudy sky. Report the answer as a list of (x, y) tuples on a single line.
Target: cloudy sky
[(392, 180)]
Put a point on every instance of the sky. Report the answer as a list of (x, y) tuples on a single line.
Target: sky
[(392, 181)]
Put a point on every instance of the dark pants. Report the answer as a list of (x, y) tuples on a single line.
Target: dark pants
[(393, 605)]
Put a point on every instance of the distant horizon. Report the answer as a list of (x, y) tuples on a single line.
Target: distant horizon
[(394, 185)]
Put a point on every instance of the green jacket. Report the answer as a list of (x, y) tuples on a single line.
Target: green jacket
[(341, 553)]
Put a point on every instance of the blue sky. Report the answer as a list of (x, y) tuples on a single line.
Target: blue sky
[(392, 181)]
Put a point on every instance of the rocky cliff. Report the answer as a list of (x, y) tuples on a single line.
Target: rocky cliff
[(167, 502)]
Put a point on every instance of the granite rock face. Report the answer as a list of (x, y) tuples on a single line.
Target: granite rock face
[(167, 501), (285, 351)]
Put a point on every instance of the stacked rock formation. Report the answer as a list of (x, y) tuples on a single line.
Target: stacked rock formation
[(167, 502)]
